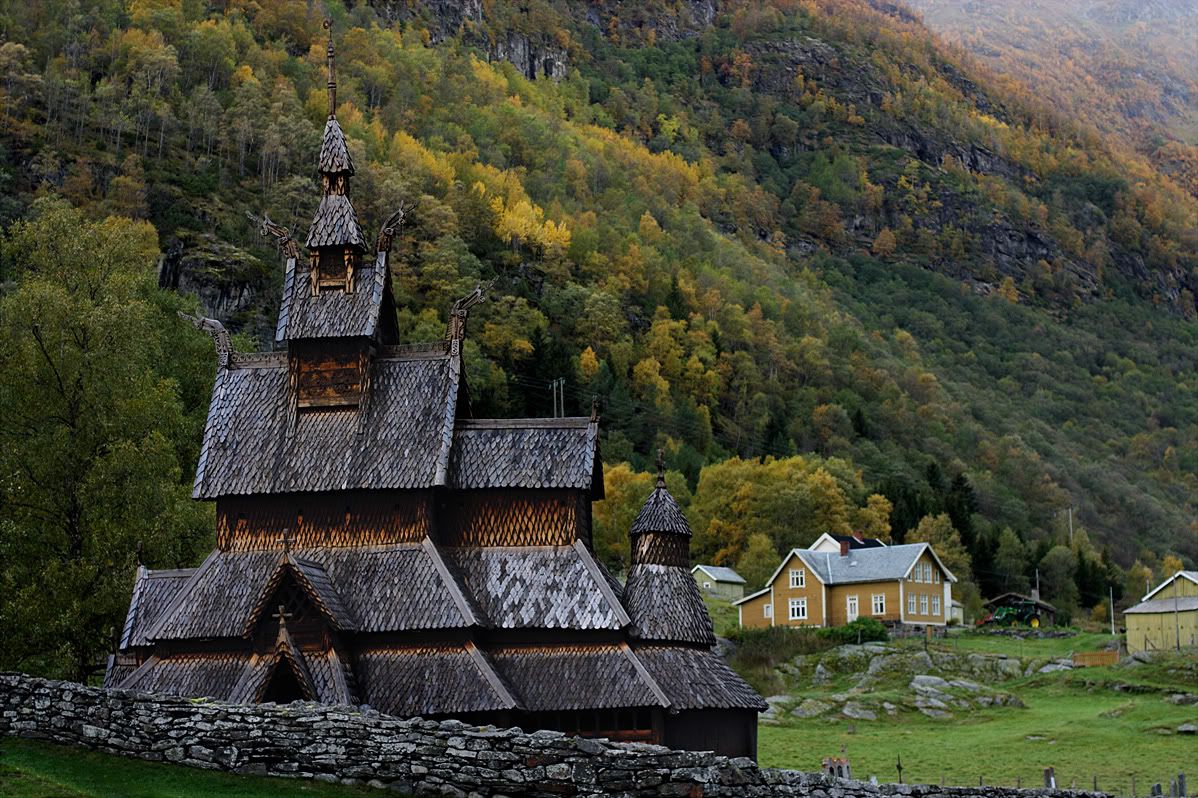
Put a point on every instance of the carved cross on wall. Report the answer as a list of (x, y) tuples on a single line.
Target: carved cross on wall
[(282, 614), (285, 539)]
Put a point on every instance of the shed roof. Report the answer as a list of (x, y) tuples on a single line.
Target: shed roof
[(546, 678), (1181, 604), (720, 574), (697, 679), (332, 314), (1019, 597), (526, 453)]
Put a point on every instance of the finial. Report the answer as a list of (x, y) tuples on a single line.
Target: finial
[(140, 549), (456, 329), (595, 409), (220, 336), (661, 468), (328, 25)]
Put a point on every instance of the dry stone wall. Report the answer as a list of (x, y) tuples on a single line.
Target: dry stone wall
[(417, 757)]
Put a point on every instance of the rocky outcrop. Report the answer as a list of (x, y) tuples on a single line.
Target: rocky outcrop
[(415, 757), (231, 284)]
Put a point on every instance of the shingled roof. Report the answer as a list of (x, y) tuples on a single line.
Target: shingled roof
[(541, 587), (335, 224), (334, 151), (526, 453), (559, 677), (664, 603), (153, 591), (332, 314), (250, 448), (697, 679), (406, 681), (661, 513)]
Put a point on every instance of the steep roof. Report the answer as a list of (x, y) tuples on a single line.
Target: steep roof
[(407, 680), (335, 224), (153, 591), (665, 605), (334, 151), (332, 314), (660, 513), (697, 679), (526, 453), (250, 445), (546, 678), (720, 574)]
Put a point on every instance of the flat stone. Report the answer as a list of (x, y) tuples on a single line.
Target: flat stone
[(926, 681), (1188, 728), (857, 712), (810, 708)]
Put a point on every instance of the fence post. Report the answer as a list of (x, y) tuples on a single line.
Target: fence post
[(1181, 785), (1050, 779)]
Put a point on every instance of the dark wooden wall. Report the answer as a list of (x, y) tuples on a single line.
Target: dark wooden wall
[(515, 518), (246, 523)]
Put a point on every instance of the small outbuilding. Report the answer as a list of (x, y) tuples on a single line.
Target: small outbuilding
[(715, 580), (1167, 617), (1030, 606)]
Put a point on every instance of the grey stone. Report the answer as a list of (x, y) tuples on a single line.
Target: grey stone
[(810, 708), (857, 712), (925, 681), (1188, 728)]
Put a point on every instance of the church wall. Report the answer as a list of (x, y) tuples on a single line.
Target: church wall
[(514, 518), (348, 518), (415, 756)]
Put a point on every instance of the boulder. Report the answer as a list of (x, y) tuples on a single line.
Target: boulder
[(925, 682), (857, 712), (811, 708)]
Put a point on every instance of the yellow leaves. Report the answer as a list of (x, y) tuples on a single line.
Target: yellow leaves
[(243, 74), (588, 363), (522, 223), (648, 383), (885, 243), (415, 157)]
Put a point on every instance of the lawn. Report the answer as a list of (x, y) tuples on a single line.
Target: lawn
[(1082, 729), (986, 643), (31, 769)]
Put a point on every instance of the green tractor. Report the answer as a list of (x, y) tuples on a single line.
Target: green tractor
[(1021, 613)]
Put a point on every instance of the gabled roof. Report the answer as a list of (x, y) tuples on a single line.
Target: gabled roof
[(862, 565), (153, 591), (854, 542), (250, 446), (526, 453), (750, 596), (1000, 599), (720, 574), (333, 314), (1191, 576)]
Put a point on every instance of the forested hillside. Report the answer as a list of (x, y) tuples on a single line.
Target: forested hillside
[(843, 277), (1127, 67)]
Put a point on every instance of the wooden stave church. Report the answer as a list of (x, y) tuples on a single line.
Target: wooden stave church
[(376, 545)]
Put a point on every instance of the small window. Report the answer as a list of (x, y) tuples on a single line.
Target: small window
[(911, 603), (798, 609), (798, 578), (935, 605), (918, 575), (768, 610), (707, 585), (879, 603), (936, 575), (923, 605)]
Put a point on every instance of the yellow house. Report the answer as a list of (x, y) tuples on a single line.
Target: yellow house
[(1166, 618), (895, 584)]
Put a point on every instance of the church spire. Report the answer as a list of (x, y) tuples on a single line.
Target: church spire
[(328, 24)]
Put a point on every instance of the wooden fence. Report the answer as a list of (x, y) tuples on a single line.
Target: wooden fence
[(1091, 659)]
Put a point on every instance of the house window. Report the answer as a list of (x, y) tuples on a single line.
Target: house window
[(707, 585), (798, 578), (879, 603), (910, 603), (935, 605), (918, 572), (936, 575), (798, 609), (851, 608), (923, 605), (768, 610)]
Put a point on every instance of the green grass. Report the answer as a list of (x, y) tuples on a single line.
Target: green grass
[(1073, 722), (724, 616), (1000, 644), (31, 769)]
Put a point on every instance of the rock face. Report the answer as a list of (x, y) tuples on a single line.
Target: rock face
[(231, 284), (341, 744)]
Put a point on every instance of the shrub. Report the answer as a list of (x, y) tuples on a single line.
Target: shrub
[(862, 630)]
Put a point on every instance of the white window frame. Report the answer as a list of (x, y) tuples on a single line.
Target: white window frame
[(918, 572), (936, 576), (767, 609), (707, 585), (935, 605), (910, 603), (852, 608), (879, 603), (923, 605), (797, 609), (798, 578)]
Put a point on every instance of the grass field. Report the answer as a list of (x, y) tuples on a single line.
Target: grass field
[(1001, 644), (31, 769), (1076, 722)]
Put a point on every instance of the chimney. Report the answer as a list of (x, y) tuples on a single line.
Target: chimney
[(844, 548), (857, 537)]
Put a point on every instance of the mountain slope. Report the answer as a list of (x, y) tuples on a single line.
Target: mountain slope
[(755, 229)]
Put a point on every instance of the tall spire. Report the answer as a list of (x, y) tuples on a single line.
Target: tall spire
[(661, 468), (328, 25)]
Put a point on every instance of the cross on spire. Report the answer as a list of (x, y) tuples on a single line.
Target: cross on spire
[(661, 468), (328, 25)]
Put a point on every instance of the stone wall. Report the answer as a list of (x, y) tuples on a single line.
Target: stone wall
[(411, 756)]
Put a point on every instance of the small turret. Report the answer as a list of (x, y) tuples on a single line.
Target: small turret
[(661, 595)]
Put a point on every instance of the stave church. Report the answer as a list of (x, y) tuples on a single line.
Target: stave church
[(377, 545)]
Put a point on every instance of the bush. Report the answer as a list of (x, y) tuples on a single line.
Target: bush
[(759, 651), (862, 630)]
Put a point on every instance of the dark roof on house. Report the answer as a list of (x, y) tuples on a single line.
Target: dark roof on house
[(558, 677), (332, 314), (153, 591), (210, 675), (697, 679), (249, 446), (407, 681), (542, 587), (660, 513), (335, 224), (525, 453), (334, 151), (865, 565), (664, 603)]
